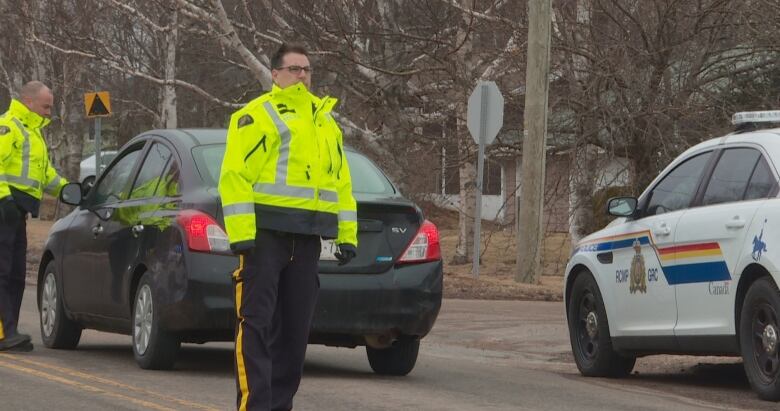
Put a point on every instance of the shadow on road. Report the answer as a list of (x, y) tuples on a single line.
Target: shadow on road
[(720, 376), (315, 368), (193, 359), (205, 360), (218, 361)]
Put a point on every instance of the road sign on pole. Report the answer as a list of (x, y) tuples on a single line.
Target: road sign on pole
[(484, 118), (97, 105), (485, 114)]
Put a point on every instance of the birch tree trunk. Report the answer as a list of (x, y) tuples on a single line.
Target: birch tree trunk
[(168, 113), (467, 171), (468, 176)]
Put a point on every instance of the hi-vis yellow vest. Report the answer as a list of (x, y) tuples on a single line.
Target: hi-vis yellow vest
[(285, 169), (24, 158)]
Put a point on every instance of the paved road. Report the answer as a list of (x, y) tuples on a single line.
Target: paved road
[(481, 355)]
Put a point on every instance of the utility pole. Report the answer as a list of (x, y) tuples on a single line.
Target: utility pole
[(529, 232)]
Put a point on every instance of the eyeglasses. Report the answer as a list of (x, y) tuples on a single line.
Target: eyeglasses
[(296, 69)]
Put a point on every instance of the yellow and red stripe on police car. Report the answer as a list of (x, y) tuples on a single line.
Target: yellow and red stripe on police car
[(693, 263)]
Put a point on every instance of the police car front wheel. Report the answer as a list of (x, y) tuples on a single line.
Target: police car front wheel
[(589, 332), (759, 331)]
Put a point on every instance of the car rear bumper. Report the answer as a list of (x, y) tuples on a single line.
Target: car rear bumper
[(204, 309), (405, 300)]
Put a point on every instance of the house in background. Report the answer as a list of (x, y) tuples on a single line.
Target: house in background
[(503, 179)]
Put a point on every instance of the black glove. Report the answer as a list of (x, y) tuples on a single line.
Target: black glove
[(9, 212), (346, 253), (243, 247)]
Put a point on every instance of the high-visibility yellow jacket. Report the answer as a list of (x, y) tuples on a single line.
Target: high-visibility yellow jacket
[(24, 158), (285, 169)]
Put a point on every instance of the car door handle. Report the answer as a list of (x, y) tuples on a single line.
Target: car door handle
[(137, 229), (663, 230), (97, 230), (736, 222)]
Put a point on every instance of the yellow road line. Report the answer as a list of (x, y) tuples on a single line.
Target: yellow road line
[(101, 380), (85, 387)]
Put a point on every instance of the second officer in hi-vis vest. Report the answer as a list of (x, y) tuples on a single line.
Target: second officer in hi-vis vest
[(25, 174), (284, 184)]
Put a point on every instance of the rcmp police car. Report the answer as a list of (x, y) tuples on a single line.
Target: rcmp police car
[(690, 267)]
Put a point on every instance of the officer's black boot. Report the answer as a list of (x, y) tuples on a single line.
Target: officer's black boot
[(16, 342)]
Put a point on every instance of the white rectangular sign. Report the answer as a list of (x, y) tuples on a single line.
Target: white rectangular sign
[(329, 249)]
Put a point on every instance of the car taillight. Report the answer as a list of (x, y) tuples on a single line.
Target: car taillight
[(424, 246), (203, 233)]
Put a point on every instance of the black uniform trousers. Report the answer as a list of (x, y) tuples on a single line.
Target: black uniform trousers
[(276, 288), (13, 266)]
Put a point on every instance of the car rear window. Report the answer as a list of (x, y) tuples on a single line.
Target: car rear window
[(208, 160), (366, 177)]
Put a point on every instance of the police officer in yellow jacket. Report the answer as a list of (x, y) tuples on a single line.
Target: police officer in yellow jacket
[(284, 184), (25, 173)]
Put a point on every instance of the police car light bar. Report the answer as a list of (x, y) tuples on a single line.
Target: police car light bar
[(770, 116)]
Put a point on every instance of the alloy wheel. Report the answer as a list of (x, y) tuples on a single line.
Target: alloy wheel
[(142, 322), (49, 304)]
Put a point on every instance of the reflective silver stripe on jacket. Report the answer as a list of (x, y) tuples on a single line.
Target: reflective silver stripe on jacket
[(280, 187), (25, 149), (239, 208), (20, 181), (326, 195), (284, 190), (53, 185), (347, 216), (284, 148)]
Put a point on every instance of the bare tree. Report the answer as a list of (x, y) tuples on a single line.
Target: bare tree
[(635, 79)]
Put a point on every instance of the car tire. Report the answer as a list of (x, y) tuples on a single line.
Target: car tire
[(398, 359), (153, 347), (57, 330), (759, 338), (591, 342)]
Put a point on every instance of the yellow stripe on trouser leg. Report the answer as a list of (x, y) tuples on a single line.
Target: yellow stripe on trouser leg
[(2, 327), (243, 385)]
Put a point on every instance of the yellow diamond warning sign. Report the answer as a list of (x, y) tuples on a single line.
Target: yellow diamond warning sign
[(97, 104)]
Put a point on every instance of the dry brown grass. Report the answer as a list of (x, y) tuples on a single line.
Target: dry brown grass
[(497, 270)]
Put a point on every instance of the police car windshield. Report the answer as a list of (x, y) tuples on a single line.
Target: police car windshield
[(366, 177)]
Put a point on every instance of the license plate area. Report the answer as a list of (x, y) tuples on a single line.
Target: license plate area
[(328, 251)]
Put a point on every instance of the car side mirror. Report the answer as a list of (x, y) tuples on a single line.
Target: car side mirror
[(622, 206), (71, 194)]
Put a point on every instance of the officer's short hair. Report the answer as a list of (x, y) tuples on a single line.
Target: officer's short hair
[(284, 49), (31, 89)]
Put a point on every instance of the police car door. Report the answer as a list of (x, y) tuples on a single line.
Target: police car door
[(712, 237), (645, 298)]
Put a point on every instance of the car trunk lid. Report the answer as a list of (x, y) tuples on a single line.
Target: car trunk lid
[(386, 226)]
